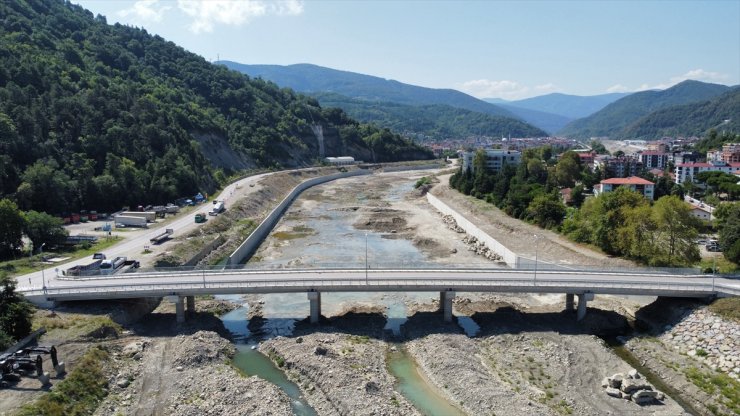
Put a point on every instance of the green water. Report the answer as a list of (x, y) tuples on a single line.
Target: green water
[(254, 363), (427, 399)]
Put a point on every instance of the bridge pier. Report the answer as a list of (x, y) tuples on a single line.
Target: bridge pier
[(190, 300), (180, 310), (569, 302), (445, 304), (315, 300), (583, 299)]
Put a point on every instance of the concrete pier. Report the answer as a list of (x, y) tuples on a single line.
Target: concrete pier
[(445, 304), (315, 299), (583, 299), (569, 304), (180, 310), (190, 301)]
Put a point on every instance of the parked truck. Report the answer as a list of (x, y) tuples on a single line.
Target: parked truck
[(200, 217), (161, 237), (90, 269), (129, 221), (218, 207), (150, 216)]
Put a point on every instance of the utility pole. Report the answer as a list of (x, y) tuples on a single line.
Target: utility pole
[(366, 282), (536, 249), (43, 279)]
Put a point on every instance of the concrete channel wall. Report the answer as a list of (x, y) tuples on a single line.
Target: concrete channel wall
[(250, 245), (511, 258)]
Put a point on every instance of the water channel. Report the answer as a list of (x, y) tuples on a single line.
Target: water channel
[(325, 237)]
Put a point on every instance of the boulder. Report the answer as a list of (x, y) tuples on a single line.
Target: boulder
[(613, 392), (643, 397), (633, 374), (615, 381), (630, 385)]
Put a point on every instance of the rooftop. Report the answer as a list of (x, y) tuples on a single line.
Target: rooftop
[(632, 180)]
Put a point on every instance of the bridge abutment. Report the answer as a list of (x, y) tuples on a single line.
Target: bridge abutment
[(445, 304), (180, 310), (315, 300), (569, 303), (583, 299)]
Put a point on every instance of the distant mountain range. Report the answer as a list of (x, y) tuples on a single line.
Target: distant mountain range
[(435, 121), (615, 119), (568, 106), (373, 91)]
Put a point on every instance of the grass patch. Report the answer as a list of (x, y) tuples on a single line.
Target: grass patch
[(727, 308), (724, 266), (717, 384), (359, 339), (32, 264), (69, 326), (79, 393)]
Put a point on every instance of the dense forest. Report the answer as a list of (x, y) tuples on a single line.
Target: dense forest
[(619, 115), (695, 119), (621, 223), (435, 121), (98, 116)]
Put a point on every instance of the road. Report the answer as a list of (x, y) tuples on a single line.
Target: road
[(135, 240)]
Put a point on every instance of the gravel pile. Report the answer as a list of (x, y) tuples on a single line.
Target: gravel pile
[(340, 374), (201, 348)]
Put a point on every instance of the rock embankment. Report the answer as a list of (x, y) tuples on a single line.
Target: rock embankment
[(186, 375), (473, 244), (708, 338), (340, 374)]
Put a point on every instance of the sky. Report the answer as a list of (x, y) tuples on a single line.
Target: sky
[(488, 49)]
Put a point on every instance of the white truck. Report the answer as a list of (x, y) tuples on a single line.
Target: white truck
[(218, 207), (150, 216), (129, 221)]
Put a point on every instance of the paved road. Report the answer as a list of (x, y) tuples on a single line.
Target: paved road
[(357, 280), (135, 240)]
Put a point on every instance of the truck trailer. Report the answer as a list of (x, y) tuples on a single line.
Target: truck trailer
[(150, 216), (130, 221)]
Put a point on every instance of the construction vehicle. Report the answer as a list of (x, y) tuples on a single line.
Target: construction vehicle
[(161, 237), (112, 266), (200, 218)]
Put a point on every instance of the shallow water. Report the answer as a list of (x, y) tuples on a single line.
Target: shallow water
[(426, 398)]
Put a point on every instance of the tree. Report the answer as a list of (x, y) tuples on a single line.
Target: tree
[(568, 169), (729, 232), (11, 229), (42, 228), (677, 231), (15, 313), (546, 211)]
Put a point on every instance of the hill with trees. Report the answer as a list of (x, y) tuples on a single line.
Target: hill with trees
[(548, 122), (378, 92), (721, 113), (615, 117), (436, 121), (566, 105), (96, 116)]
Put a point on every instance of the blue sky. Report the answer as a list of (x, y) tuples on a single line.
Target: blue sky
[(500, 49)]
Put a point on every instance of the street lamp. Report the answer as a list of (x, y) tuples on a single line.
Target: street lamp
[(714, 271), (536, 249), (43, 279), (366, 259)]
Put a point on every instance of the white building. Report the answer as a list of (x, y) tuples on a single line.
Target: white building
[(688, 171), (639, 185), (495, 159), (340, 161)]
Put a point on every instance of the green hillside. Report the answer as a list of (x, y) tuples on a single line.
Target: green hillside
[(721, 113), (97, 116), (436, 121), (612, 119)]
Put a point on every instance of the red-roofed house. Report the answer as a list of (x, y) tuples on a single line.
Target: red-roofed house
[(684, 171), (643, 186)]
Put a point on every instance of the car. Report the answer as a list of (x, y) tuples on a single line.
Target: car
[(713, 247)]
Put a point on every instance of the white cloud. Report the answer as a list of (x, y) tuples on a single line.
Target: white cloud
[(508, 90), (694, 74), (145, 11), (207, 13)]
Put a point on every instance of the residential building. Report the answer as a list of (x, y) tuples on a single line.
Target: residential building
[(699, 209), (642, 186), (688, 171), (731, 153), (660, 147), (618, 167), (654, 159), (495, 159)]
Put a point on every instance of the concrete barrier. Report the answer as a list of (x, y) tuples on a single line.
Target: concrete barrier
[(250, 245), (511, 258), (411, 168)]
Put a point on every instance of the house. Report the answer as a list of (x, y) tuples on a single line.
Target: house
[(495, 159), (699, 209), (642, 186)]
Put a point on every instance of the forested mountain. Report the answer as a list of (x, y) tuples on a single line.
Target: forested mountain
[(437, 121), (316, 79), (612, 119), (722, 113), (570, 106), (549, 122), (96, 116)]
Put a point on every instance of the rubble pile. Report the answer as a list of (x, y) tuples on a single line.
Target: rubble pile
[(631, 387)]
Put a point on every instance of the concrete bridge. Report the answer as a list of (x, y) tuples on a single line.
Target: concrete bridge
[(186, 284)]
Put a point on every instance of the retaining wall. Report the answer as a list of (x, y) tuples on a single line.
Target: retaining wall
[(205, 251), (250, 245), (511, 258)]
